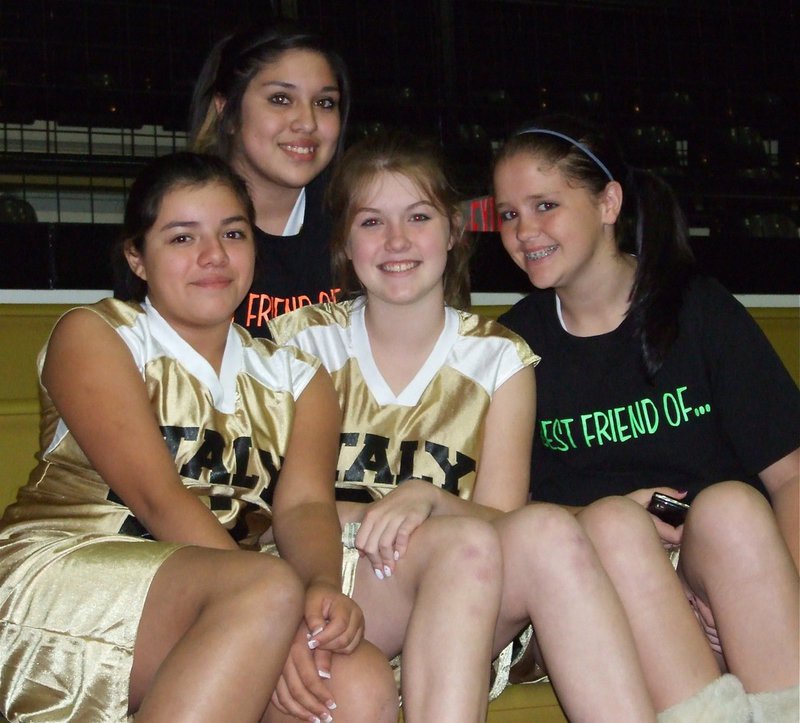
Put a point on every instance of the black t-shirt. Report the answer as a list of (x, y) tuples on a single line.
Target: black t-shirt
[(291, 271), (722, 407)]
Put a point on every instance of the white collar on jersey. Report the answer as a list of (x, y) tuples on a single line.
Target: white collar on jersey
[(382, 392), (295, 221)]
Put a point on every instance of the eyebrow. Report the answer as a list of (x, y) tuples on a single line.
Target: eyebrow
[(368, 209), (192, 224), (291, 86)]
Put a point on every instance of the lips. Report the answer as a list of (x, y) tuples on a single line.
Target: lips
[(397, 267), (303, 150), (213, 282), (541, 253)]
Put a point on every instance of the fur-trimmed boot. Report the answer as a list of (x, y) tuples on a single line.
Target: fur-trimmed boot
[(779, 706), (724, 700)]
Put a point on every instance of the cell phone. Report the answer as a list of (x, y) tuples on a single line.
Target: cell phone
[(668, 509)]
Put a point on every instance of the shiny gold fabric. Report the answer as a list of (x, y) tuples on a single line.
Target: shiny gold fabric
[(74, 569), (433, 429), (68, 622)]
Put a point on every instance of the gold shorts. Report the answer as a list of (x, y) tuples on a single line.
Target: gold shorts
[(70, 607)]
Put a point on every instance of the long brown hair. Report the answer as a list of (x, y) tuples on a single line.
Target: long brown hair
[(419, 160), (650, 226), (231, 65)]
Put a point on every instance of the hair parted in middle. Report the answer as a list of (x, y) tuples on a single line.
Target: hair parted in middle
[(421, 161), (231, 65)]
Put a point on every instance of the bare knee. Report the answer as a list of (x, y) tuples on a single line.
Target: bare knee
[(545, 535), (615, 521), (725, 513), (363, 686), (272, 588), (730, 529), (467, 544)]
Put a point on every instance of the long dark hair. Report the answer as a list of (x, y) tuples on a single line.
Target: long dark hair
[(421, 161), (231, 65), (651, 224), (158, 178)]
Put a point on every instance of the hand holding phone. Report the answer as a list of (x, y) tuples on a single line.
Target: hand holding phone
[(668, 509)]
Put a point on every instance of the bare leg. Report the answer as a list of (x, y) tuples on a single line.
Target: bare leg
[(363, 687), (214, 634), (440, 608), (734, 562), (553, 577), (673, 650)]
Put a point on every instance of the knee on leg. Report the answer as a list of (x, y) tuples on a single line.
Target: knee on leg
[(467, 544), (536, 531), (731, 516), (616, 521), (363, 686), (269, 588)]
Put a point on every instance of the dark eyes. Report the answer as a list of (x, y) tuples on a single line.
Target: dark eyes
[(414, 218), (540, 207), (324, 103), (233, 234)]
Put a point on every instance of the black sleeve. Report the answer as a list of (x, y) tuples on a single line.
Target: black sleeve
[(756, 397)]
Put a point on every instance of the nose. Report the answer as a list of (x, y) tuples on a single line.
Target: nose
[(212, 251), (528, 227), (396, 237), (305, 118)]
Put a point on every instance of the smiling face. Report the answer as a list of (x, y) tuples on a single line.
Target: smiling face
[(398, 242), (559, 234), (197, 258), (290, 121)]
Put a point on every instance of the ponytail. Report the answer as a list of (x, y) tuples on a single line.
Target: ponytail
[(203, 115), (652, 226)]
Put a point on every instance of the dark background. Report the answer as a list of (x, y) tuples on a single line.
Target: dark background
[(706, 93)]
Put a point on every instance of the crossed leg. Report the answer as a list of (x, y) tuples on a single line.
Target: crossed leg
[(214, 633)]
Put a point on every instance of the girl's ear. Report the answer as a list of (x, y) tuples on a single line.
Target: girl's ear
[(135, 260), (456, 230), (611, 202), (219, 103)]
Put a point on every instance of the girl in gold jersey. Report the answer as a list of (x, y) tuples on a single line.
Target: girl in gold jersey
[(406, 363), (124, 588)]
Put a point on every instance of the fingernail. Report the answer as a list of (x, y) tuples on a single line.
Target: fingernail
[(315, 720), (328, 718), (387, 571), (331, 705), (378, 574), (313, 644), (324, 674), (317, 631), (396, 555)]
